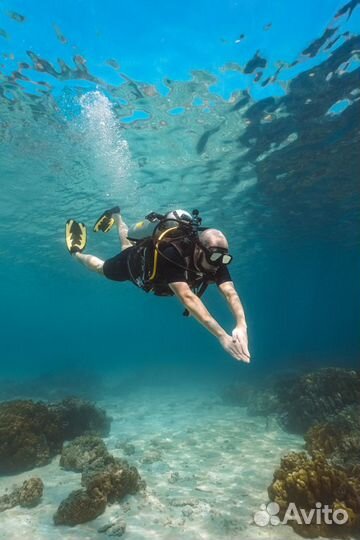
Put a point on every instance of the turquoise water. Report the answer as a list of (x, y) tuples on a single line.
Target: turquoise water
[(148, 108), (155, 106)]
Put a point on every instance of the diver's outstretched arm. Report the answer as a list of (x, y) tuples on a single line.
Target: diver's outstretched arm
[(239, 334), (198, 310)]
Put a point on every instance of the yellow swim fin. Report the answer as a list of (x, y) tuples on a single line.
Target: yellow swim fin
[(75, 236), (106, 221)]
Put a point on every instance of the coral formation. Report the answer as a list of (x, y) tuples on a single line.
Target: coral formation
[(28, 495), (81, 452), (338, 439), (299, 401), (105, 480), (80, 417), (31, 492), (115, 479), (29, 436), (79, 507), (32, 433), (307, 481), (312, 398), (326, 403)]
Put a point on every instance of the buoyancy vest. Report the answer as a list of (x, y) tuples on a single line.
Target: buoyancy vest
[(143, 265)]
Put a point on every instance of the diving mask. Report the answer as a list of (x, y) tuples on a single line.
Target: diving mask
[(216, 255)]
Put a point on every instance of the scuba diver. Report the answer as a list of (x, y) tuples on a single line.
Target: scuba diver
[(169, 255)]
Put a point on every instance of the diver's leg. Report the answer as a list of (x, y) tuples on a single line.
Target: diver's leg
[(90, 261), (123, 231)]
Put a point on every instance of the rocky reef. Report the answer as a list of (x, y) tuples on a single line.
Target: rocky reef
[(31, 433), (27, 495), (82, 452), (299, 401), (306, 482), (115, 478), (338, 439), (105, 480), (80, 507), (324, 406), (80, 417), (327, 403), (312, 398)]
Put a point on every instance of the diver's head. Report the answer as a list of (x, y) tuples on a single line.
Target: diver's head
[(212, 249)]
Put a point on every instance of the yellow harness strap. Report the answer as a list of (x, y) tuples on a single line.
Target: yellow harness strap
[(157, 251)]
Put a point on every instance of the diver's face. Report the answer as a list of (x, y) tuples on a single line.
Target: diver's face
[(204, 265)]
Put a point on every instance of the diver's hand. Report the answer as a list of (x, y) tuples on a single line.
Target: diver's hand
[(239, 336), (233, 347)]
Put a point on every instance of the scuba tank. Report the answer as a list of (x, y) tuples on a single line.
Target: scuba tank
[(154, 224), (142, 229)]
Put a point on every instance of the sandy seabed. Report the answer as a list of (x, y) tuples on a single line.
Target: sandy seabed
[(206, 465)]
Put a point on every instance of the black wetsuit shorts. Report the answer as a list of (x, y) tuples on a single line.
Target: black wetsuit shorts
[(117, 267)]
